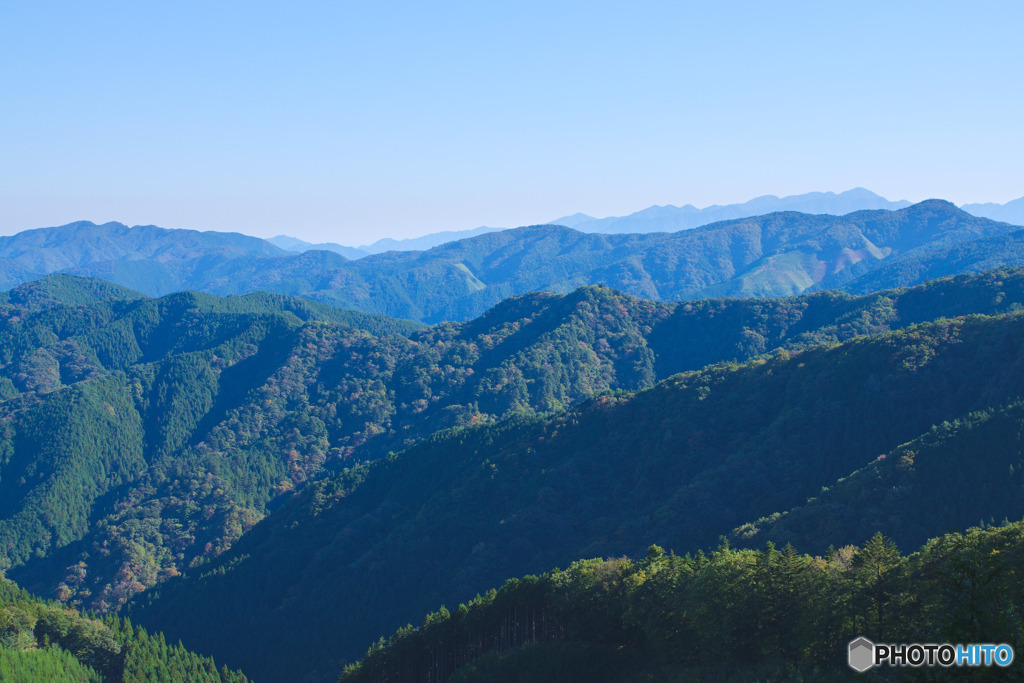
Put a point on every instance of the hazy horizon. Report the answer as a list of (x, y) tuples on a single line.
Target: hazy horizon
[(414, 236), (349, 123)]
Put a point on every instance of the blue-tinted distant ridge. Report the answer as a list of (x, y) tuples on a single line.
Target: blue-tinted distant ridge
[(674, 218)]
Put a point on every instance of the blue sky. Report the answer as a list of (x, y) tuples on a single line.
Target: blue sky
[(353, 121)]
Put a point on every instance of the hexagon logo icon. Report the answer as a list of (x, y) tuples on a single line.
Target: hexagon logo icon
[(862, 654)]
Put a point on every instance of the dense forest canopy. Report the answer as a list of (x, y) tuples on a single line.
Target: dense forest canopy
[(769, 614), (47, 642)]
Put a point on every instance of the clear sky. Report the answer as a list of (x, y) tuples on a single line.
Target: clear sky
[(351, 121)]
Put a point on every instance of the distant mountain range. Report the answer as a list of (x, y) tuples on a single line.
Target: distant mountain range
[(160, 258), (674, 218), (298, 246), (652, 219), (381, 245), (1011, 212), (80, 244), (778, 254)]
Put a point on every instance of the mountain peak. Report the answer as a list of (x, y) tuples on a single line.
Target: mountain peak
[(573, 220), (935, 205)]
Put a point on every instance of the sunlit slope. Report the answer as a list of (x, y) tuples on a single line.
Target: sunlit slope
[(768, 614), (45, 642)]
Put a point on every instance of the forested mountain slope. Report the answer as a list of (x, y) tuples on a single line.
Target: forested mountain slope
[(962, 470), (144, 436), (778, 254), (144, 257), (69, 290), (768, 615), (966, 257), (680, 464)]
